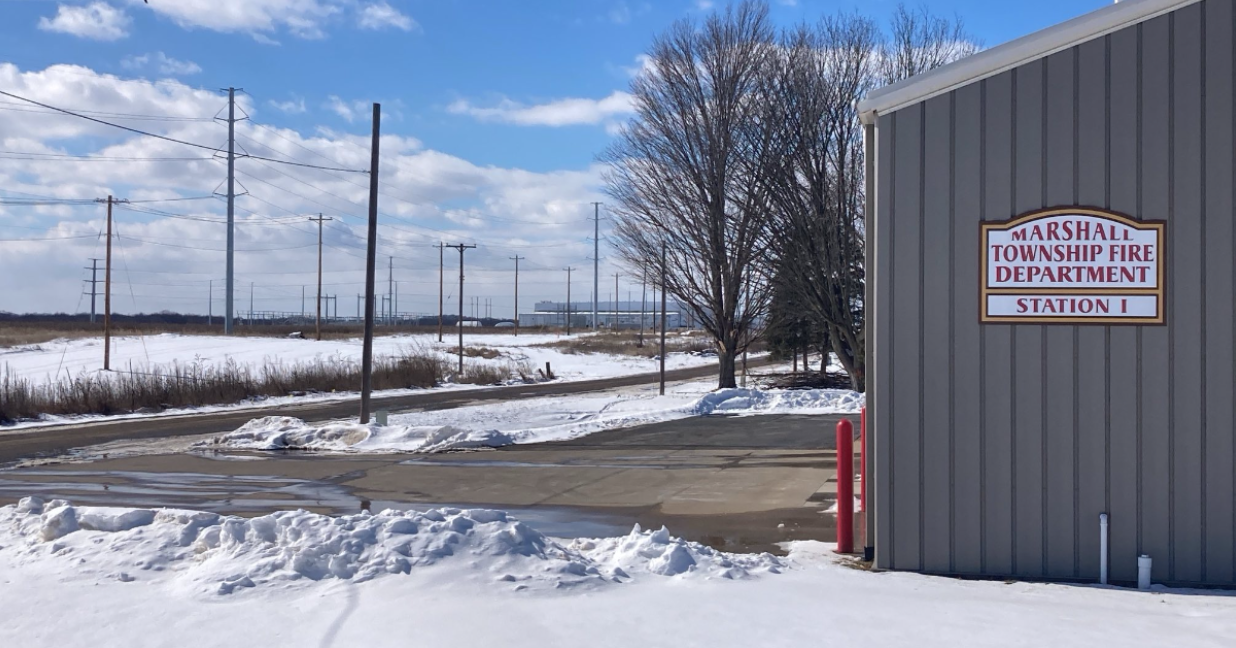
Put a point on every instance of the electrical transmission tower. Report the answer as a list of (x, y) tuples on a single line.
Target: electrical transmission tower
[(94, 285), (318, 319)]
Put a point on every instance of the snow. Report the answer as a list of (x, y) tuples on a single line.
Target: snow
[(210, 553), (532, 420), (483, 578), (68, 359), (63, 359)]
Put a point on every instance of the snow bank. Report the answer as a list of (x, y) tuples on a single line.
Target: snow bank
[(208, 552), (534, 420), (781, 401)]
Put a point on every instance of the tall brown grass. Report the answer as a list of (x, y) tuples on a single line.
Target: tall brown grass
[(197, 384)]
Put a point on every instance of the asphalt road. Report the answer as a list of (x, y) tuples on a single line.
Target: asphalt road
[(58, 440)]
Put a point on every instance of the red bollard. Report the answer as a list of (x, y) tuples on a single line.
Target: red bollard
[(845, 487), (862, 461)]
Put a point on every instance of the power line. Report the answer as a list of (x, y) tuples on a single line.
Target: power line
[(177, 141)]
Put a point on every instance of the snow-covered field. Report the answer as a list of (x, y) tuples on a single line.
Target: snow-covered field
[(532, 420), (67, 359), (62, 359), (81, 576)]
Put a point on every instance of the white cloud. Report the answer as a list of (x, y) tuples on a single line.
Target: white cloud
[(96, 21), (703, 5), (622, 12), (161, 63), (422, 190), (303, 18), (261, 19), (561, 112), (380, 15), (294, 106), (643, 63), (348, 110)]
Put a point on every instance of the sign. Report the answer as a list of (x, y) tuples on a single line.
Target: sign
[(1073, 266)]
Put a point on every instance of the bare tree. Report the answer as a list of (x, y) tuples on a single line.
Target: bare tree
[(817, 180), (681, 172), (920, 41)]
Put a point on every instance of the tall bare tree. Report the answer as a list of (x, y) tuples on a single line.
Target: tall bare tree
[(680, 172), (919, 41), (817, 181)]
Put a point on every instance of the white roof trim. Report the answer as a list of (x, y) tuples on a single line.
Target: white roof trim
[(1013, 54)]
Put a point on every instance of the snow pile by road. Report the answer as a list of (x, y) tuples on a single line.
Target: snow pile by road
[(535, 420), (207, 552), (781, 401)]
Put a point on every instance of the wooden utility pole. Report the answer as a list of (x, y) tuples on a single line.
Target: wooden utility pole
[(317, 325), (568, 304), (441, 247), (517, 259), (461, 247), (107, 286), (596, 263), (107, 295), (370, 269), (662, 318)]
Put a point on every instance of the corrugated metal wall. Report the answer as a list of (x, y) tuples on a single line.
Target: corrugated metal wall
[(998, 446)]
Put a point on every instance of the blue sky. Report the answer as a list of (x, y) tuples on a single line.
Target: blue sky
[(502, 108)]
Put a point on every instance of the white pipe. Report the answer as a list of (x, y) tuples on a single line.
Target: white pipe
[(1102, 548), (1143, 572)]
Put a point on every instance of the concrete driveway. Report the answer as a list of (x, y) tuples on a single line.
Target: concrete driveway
[(738, 483)]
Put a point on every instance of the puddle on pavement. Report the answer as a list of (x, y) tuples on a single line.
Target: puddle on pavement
[(257, 495)]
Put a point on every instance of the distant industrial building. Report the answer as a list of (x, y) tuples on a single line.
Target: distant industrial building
[(622, 315)]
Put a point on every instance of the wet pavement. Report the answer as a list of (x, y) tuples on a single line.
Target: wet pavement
[(736, 483)]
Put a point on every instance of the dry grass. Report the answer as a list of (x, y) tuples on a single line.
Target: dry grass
[(479, 352), (200, 384), (627, 343)]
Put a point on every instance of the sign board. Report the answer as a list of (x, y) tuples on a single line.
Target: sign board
[(1073, 266)]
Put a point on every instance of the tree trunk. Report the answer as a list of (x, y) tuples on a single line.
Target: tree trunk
[(852, 363), (726, 370)]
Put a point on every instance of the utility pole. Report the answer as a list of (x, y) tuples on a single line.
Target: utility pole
[(614, 322), (318, 319), (663, 318), (370, 269), (107, 294), (94, 285), (390, 290), (358, 306), (596, 262), (461, 247), (107, 286), (643, 305), (517, 259), (231, 208), (568, 305), (441, 247)]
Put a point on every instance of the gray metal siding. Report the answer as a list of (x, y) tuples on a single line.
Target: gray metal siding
[(999, 445)]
